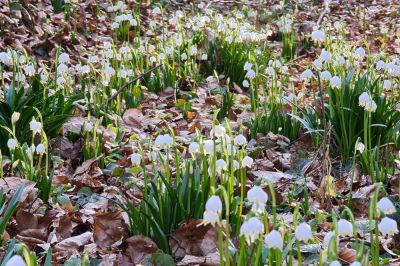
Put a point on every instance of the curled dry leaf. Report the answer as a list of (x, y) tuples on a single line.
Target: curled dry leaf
[(71, 246), (136, 249), (193, 238), (348, 255), (109, 229)]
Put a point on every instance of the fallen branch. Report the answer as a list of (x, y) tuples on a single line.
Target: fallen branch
[(132, 81)]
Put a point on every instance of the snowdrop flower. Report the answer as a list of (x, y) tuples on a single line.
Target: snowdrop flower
[(156, 11), (370, 106), (193, 50), (247, 162), (360, 147), (356, 263), (218, 131), (359, 53), (318, 36), (30, 70), (345, 228), (246, 83), (274, 240), (208, 146), (247, 66), (35, 126), (236, 165), (114, 25), (12, 144), (15, 117), (221, 165), (303, 232), (61, 80), (317, 63), (214, 204), (164, 140), (327, 238), (136, 159), (388, 226), (194, 148), (270, 71), (204, 57), (307, 74), (63, 58), (258, 198), (40, 149), (325, 56), (184, 56), (386, 206), (387, 84), (363, 99), (250, 74), (335, 82), (326, 75), (380, 65), (44, 78), (87, 127), (62, 68), (16, 260), (252, 229), (210, 217), (335, 263), (240, 140)]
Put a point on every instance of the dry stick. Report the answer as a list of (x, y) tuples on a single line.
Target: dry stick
[(132, 81)]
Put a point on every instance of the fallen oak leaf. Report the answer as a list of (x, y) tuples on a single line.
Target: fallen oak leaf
[(108, 229), (71, 246), (136, 249)]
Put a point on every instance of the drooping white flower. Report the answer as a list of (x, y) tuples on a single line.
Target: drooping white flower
[(388, 226), (40, 148), (258, 198), (204, 57), (247, 66), (15, 117), (164, 140), (335, 82), (12, 144), (335, 263), (306, 74), (35, 126), (194, 148), (30, 70), (250, 74), (136, 159), (356, 263), (359, 53), (214, 204), (156, 11), (318, 36), (218, 131), (345, 228), (61, 80), (317, 63), (303, 232), (221, 165), (386, 206), (63, 58), (326, 75), (363, 99), (380, 65), (274, 240), (210, 217), (370, 106), (184, 56), (246, 83), (87, 127), (236, 165), (15, 260), (387, 84), (247, 162), (240, 140), (327, 239), (325, 56), (360, 147), (208, 146), (252, 229)]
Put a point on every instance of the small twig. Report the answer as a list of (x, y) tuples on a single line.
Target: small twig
[(132, 81)]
